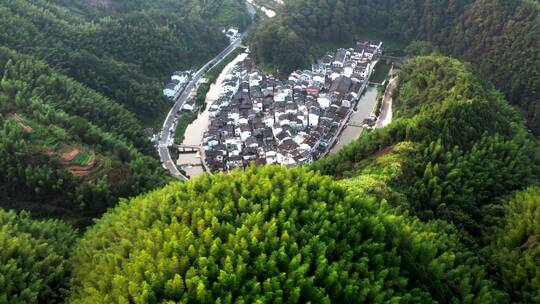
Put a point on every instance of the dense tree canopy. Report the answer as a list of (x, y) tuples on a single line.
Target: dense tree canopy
[(33, 264), (45, 118), (441, 206), (516, 250), (500, 37), (79, 82), (270, 235), (419, 214), (471, 147), (125, 54)]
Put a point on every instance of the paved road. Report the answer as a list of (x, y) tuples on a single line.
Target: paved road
[(169, 125), (385, 117)]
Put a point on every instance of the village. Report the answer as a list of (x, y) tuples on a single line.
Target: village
[(264, 120)]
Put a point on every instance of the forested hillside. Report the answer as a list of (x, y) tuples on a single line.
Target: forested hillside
[(34, 266), (500, 37), (441, 206), (66, 151), (468, 146), (127, 54), (271, 235), (424, 210), (454, 152), (79, 83), (514, 249)]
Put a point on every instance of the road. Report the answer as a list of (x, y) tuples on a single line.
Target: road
[(166, 137), (385, 117)]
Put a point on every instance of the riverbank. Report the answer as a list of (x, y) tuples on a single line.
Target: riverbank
[(268, 12), (192, 162), (364, 109), (385, 117)]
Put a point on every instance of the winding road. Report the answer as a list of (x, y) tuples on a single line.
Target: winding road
[(166, 137)]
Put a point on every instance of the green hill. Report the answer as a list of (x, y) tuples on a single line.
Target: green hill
[(271, 235), (440, 206), (127, 56), (466, 148), (66, 151), (500, 38), (412, 216), (34, 268), (80, 82)]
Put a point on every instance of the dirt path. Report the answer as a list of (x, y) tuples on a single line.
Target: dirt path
[(67, 157), (18, 119)]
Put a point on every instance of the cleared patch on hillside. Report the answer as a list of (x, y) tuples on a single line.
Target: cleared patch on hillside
[(77, 161), (23, 126)]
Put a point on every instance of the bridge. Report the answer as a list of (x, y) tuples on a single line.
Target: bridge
[(355, 123), (187, 148), (393, 58)]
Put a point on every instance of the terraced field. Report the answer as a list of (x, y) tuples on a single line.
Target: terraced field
[(81, 159)]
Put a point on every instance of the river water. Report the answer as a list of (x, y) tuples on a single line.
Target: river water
[(366, 107), (191, 162)]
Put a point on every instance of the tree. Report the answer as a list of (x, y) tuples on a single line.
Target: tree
[(33, 259), (515, 253), (270, 234)]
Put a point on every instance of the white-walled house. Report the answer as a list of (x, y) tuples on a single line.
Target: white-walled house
[(271, 157), (324, 101), (188, 107), (313, 117), (269, 120), (169, 90)]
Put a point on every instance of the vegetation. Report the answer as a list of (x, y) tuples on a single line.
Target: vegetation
[(415, 216), (33, 264), (125, 51), (380, 96), (440, 206), (43, 112), (89, 78), (82, 159), (500, 38), (266, 235), (183, 122), (515, 252), (471, 148), (381, 71)]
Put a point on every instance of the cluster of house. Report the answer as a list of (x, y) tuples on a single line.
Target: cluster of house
[(259, 118), (231, 33), (178, 82), (260, 5)]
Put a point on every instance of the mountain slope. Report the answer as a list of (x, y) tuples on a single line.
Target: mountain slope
[(500, 38), (66, 150), (127, 57), (409, 219), (470, 147), (270, 234), (34, 266)]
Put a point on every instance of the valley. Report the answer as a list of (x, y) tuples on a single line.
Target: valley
[(265, 151)]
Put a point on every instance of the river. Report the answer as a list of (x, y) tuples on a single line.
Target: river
[(191, 162), (366, 106)]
